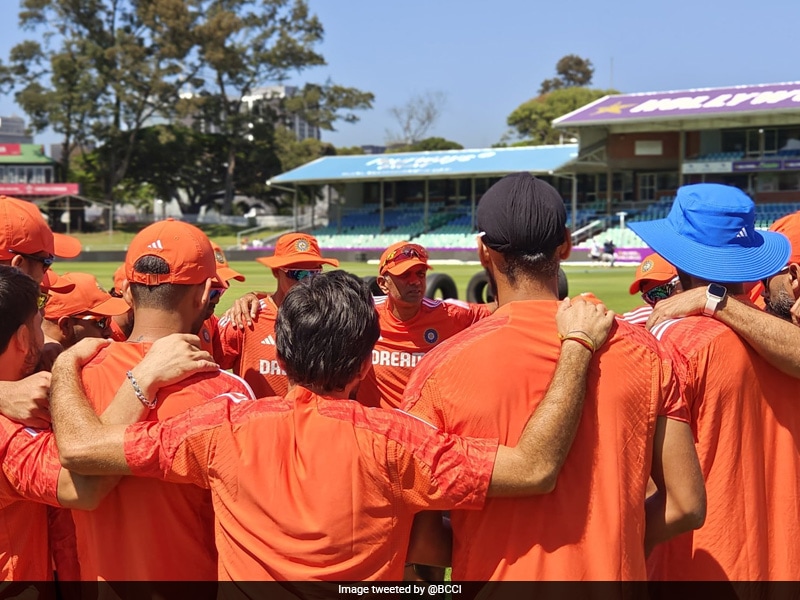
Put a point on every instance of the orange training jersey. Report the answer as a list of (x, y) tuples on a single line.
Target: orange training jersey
[(251, 352), (745, 417), (403, 343), (309, 487), (145, 529), (30, 477), (487, 381)]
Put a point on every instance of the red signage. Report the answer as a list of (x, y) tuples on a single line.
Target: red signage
[(10, 150), (39, 189)]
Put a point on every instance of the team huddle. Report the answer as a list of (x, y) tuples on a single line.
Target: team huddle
[(316, 432)]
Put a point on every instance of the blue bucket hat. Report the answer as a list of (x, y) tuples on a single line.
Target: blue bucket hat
[(710, 234)]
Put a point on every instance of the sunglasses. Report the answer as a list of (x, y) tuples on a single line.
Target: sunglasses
[(660, 292), (405, 253), (41, 301), (300, 274), (766, 280), (46, 261), (214, 294), (101, 322)]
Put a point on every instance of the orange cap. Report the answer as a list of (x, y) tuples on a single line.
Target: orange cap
[(53, 282), (295, 249), (22, 228), (402, 256), (790, 227), (185, 248), (86, 296), (652, 272), (119, 277), (224, 271)]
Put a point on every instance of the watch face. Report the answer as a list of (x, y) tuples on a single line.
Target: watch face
[(715, 289)]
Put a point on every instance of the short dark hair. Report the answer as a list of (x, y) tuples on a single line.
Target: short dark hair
[(518, 265), (18, 302), (326, 329), (163, 296)]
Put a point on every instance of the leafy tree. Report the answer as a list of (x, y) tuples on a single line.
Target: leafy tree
[(532, 120), (416, 117), (105, 69), (573, 71), (245, 44), (429, 144)]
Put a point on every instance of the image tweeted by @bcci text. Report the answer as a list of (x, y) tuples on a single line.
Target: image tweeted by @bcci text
[(413, 589)]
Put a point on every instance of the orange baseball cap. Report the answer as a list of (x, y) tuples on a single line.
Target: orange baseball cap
[(790, 227), (185, 248), (295, 249), (24, 230), (224, 271), (402, 256), (86, 296), (653, 271), (54, 282)]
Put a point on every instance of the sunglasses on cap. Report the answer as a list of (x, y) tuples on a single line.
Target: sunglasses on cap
[(41, 301), (214, 294), (46, 261), (300, 274), (101, 322), (404, 253), (660, 292), (766, 280)]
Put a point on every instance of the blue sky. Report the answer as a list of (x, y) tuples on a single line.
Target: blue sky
[(490, 56)]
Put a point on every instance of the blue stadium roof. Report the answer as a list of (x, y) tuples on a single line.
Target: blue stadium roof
[(451, 164)]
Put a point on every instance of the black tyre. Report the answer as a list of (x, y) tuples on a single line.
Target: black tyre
[(372, 283), (442, 284), (478, 289), (563, 284)]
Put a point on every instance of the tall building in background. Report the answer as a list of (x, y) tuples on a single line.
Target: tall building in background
[(268, 99), (12, 131)]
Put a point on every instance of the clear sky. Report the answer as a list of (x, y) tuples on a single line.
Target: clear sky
[(489, 56)]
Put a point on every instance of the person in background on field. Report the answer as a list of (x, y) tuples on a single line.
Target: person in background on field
[(609, 253), (249, 348), (84, 311), (410, 323), (314, 485), (743, 410), (120, 325), (596, 524), (209, 332), (655, 280)]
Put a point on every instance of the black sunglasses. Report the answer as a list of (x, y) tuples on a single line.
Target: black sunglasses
[(47, 261)]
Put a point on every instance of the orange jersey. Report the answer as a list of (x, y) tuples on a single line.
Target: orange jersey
[(487, 381), (30, 478), (745, 418), (145, 529), (117, 334), (309, 487), (251, 352), (403, 343)]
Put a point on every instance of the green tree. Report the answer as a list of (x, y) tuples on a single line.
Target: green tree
[(429, 144), (106, 68), (249, 43), (532, 120), (573, 71)]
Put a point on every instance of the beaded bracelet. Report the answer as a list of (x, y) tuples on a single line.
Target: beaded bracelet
[(139, 393), (583, 338)]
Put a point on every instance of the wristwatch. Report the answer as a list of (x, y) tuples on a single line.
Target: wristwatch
[(715, 293)]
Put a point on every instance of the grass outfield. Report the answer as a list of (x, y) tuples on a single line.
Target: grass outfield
[(610, 285)]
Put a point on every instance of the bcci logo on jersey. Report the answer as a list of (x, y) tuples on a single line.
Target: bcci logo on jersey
[(431, 336)]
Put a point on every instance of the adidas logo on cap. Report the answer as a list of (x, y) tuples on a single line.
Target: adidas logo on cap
[(156, 245)]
